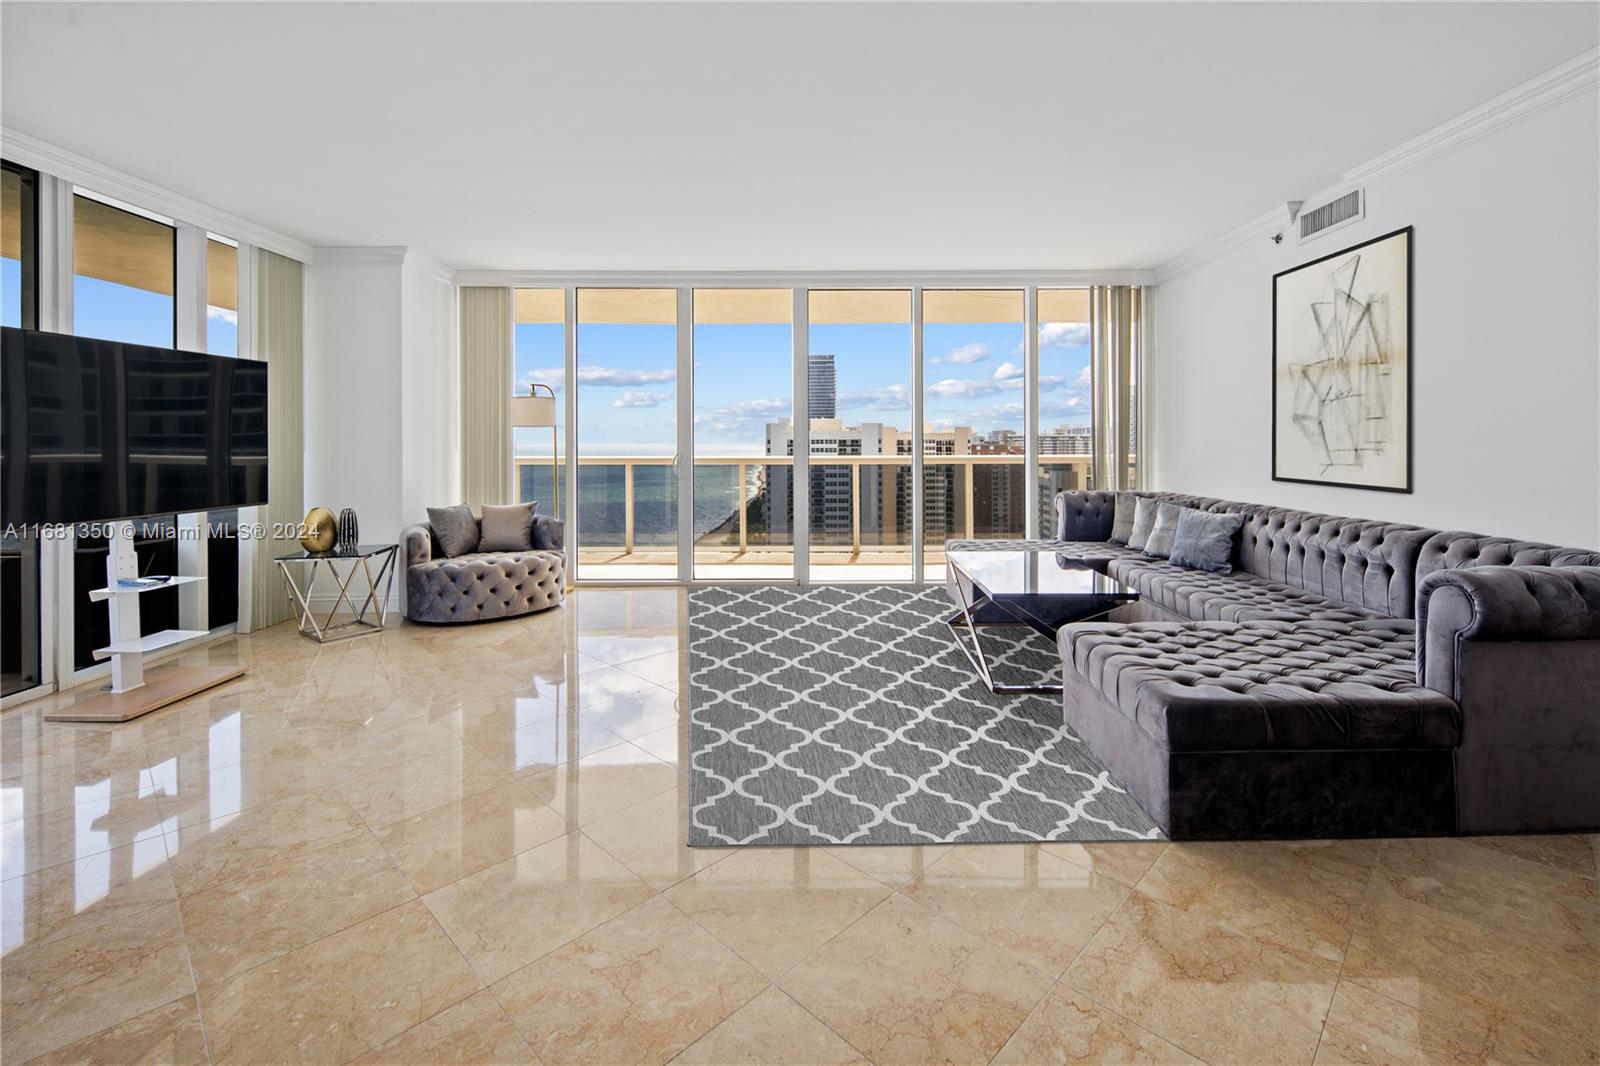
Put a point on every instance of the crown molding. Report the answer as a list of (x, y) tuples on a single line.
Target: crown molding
[(1555, 86), (360, 254), (805, 279), (51, 159), (431, 266)]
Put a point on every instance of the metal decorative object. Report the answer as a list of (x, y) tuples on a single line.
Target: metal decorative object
[(349, 529), (319, 530)]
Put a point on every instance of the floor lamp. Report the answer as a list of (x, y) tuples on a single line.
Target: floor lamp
[(537, 410)]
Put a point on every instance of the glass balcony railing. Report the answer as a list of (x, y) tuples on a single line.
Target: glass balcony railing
[(861, 506)]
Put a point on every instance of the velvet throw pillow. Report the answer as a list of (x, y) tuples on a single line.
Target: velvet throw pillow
[(455, 529), (1162, 534), (507, 528), (1122, 517), (1144, 520), (1205, 540)]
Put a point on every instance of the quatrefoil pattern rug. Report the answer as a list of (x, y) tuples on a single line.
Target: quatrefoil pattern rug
[(849, 715)]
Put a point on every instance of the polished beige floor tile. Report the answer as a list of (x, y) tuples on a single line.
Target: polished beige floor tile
[(602, 784), (771, 1030), (169, 1034), (507, 915), (473, 1031), (638, 989), (633, 714), (1286, 898), (893, 865), (108, 887), (210, 851), (1124, 861), (1014, 895), (84, 980), (776, 906), (545, 745), (1495, 887), (111, 819), (340, 996), (409, 788), (1569, 852), (277, 907), (615, 649), (904, 985), (1071, 1028), (670, 745), (1365, 1027), (1435, 961), (189, 789), (447, 843), (650, 839), (351, 754), (1206, 985), (669, 668)]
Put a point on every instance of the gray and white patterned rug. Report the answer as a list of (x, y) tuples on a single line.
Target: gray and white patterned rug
[(848, 715)]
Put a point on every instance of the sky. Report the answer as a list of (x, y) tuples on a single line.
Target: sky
[(627, 399), (110, 311)]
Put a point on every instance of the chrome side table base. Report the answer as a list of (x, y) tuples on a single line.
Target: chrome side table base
[(370, 617)]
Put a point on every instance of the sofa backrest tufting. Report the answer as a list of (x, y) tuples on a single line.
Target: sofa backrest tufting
[(1456, 550), (1371, 565)]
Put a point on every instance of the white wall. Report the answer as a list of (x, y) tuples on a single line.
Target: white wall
[(381, 395), (1505, 349)]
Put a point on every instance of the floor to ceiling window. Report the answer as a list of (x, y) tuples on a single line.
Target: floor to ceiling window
[(1066, 410), (538, 441), (627, 387), (860, 434), (973, 388), (123, 285), (222, 526), (20, 663), (743, 431)]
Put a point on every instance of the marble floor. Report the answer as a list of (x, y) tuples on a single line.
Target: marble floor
[(465, 845)]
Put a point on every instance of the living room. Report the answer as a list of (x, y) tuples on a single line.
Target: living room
[(476, 589)]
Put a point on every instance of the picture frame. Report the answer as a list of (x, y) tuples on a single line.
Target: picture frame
[(1342, 367)]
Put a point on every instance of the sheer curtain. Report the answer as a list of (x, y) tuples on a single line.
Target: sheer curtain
[(279, 340), (1115, 316), (486, 345)]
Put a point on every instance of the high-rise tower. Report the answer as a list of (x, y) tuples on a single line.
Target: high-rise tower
[(824, 388)]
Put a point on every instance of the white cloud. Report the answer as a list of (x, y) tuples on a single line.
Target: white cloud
[(1007, 371), (888, 398), (222, 314), (746, 416), (967, 354), (964, 388), (1063, 334), (634, 398), (615, 377)]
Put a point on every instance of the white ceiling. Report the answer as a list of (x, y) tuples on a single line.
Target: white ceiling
[(761, 136)]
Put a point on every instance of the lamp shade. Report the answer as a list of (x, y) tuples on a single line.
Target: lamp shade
[(539, 411)]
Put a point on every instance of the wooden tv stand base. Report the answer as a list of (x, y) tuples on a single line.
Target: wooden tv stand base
[(164, 685)]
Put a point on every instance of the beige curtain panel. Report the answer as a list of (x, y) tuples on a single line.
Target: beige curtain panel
[(279, 340), (1114, 314), (486, 340)]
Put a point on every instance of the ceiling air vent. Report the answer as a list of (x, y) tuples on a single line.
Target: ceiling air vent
[(1317, 218)]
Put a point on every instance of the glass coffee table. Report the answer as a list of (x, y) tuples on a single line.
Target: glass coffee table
[(300, 570), (1032, 587)]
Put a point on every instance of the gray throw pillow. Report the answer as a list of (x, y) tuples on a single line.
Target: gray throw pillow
[(1144, 520), (1205, 541), (507, 528), (1159, 543), (455, 529), (1122, 517)]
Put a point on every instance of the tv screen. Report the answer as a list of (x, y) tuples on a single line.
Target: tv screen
[(97, 430)]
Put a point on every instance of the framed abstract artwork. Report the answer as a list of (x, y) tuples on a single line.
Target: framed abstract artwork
[(1341, 368)]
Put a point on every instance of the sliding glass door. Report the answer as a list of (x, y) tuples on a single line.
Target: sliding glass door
[(627, 389), (860, 435), (742, 434), (1066, 411)]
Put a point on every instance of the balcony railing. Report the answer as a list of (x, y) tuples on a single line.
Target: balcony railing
[(976, 481)]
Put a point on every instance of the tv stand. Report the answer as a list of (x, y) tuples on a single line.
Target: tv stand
[(130, 694)]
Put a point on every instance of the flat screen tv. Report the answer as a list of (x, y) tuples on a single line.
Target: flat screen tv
[(98, 430)]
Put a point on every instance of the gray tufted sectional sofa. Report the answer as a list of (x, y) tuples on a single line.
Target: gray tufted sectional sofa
[(479, 586), (1349, 678)]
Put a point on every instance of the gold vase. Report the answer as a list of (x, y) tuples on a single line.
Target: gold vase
[(319, 530)]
